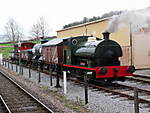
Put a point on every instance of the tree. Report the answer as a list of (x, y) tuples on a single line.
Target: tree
[(35, 30), (13, 30), (43, 27), (85, 19), (40, 29)]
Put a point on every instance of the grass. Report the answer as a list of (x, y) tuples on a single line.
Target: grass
[(77, 106), (6, 44), (5, 51), (36, 41)]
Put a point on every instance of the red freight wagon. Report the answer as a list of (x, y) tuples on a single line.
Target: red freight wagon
[(25, 45), (22, 46)]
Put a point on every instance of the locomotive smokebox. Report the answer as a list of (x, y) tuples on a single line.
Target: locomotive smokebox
[(106, 35)]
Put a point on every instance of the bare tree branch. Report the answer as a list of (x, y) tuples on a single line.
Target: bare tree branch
[(35, 31), (39, 29), (44, 27), (13, 30)]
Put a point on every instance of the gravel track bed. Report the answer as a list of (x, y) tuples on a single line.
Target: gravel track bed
[(143, 72), (99, 101)]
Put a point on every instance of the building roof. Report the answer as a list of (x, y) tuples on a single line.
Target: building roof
[(93, 22)]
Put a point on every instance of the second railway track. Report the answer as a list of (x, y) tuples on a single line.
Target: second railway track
[(17, 99), (120, 90)]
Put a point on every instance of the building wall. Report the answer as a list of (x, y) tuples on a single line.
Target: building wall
[(97, 28), (141, 50), (126, 58), (77, 31)]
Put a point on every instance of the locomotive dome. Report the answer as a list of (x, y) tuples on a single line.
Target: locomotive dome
[(91, 38)]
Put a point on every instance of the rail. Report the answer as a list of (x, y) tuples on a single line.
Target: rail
[(8, 110), (27, 92)]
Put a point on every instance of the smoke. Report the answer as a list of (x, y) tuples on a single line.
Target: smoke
[(135, 20)]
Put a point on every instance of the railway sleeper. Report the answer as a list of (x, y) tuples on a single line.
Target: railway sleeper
[(128, 92), (115, 96), (145, 106), (23, 104), (3, 108), (130, 97), (27, 109), (12, 102), (18, 99)]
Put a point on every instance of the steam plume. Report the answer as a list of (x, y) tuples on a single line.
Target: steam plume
[(136, 20)]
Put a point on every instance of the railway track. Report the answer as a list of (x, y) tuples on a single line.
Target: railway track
[(139, 78), (142, 76), (18, 100), (128, 91), (120, 90)]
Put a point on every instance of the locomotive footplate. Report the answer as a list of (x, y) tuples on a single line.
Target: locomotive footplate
[(113, 71), (107, 71)]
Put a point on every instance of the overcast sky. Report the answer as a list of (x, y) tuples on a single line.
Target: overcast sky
[(60, 12)]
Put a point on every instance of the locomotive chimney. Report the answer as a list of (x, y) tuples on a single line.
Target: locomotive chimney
[(106, 35)]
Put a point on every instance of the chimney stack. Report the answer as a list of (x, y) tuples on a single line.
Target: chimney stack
[(106, 35)]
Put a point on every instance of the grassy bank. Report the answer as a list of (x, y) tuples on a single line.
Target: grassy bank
[(5, 51)]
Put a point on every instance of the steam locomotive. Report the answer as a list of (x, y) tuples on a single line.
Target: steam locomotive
[(85, 55)]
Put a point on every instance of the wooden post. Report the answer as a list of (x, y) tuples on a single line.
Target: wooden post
[(57, 79), (136, 102), (86, 88), (19, 63), (21, 68), (30, 70), (5, 62), (39, 74), (50, 73), (57, 82), (12, 64), (8, 64), (131, 45), (16, 67)]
